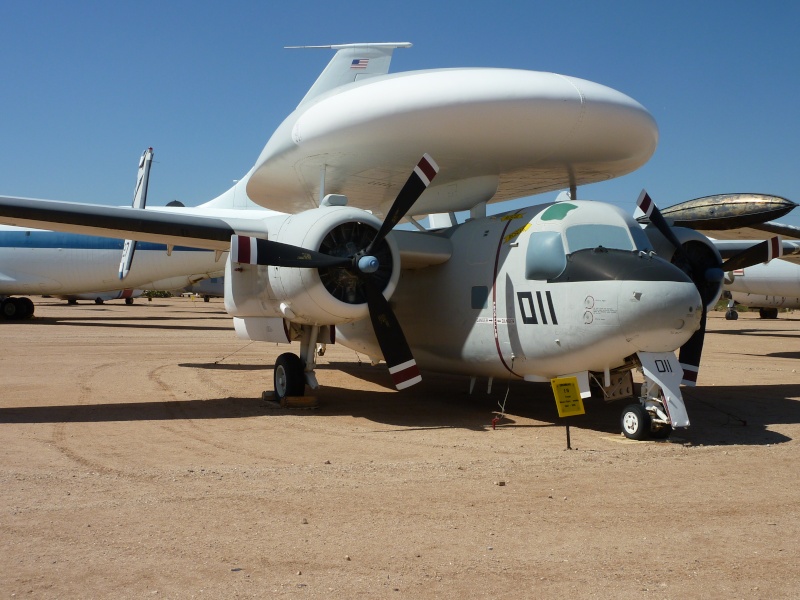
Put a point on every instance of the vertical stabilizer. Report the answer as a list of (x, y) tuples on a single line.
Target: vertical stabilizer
[(352, 62), (139, 201)]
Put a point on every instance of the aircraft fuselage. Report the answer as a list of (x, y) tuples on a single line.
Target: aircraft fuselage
[(492, 310)]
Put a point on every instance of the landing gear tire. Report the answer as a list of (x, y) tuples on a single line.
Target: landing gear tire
[(768, 313), (26, 308), (290, 378), (731, 315), (128, 301), (636, 423), (10, 308), (98, 300)]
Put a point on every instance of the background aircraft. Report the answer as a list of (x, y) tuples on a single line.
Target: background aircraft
[(560, 289), (75, 266), (767, 287)]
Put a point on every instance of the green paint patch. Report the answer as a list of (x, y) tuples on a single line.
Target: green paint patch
[(557, 211)]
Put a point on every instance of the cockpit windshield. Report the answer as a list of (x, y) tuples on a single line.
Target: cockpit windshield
[(580, 237), (570, 227)]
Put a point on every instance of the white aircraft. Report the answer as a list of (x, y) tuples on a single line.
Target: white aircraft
[(74, 266), (571, 288), (766, 287)]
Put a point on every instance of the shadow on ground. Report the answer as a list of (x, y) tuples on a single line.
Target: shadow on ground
[(720, 415)]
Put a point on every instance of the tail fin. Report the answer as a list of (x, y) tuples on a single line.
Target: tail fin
[(352, 62), (139, 201)]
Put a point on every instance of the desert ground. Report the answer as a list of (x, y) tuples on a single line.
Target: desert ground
[(139, 461)]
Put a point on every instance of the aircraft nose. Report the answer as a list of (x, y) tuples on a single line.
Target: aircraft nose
[(661, 313)]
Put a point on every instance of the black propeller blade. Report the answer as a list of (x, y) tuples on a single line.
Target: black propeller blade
[(701, 272), (417, 182), (760, 253), (395, 349), (256, 251), (362, 264)]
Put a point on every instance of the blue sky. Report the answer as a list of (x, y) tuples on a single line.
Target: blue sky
[(86, 86)]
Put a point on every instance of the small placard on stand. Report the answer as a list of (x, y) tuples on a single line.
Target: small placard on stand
[(568, 399)]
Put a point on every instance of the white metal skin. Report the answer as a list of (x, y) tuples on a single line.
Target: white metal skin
[(497, 134), (73, 270)]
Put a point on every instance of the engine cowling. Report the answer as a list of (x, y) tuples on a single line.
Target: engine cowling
[(313, 296), (703, 258)]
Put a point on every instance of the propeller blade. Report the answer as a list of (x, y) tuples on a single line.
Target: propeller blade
[(650, 209), (256, 251), (760, 253), (402, 366), (417, 182), (691, 351), (701, 274)]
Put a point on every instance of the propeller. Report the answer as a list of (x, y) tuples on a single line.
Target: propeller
[(760, 253), (355, 269), (706, 271)]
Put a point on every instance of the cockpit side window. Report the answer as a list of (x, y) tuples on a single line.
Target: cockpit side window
[(545, 257), (580, 237)]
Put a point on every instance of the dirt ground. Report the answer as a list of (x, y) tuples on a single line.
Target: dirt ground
[(138, 460)]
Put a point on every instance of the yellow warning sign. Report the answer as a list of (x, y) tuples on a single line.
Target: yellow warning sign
[(568, 396)]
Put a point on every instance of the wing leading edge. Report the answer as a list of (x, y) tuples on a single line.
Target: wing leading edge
[(171, 228)]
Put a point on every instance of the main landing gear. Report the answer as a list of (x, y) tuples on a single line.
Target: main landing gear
[(731, 314), (14, 309), (292, 372), (290, 377)]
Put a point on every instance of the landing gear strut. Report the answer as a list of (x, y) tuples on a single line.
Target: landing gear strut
[(731, 314)]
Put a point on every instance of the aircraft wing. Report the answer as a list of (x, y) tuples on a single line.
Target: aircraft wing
[(754, 232), (180, 228), (171, 228)]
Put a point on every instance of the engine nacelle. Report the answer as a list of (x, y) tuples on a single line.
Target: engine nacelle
[(700, 250), (313, 296)]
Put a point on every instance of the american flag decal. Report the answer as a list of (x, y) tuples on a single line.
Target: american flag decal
[(359, 63)]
